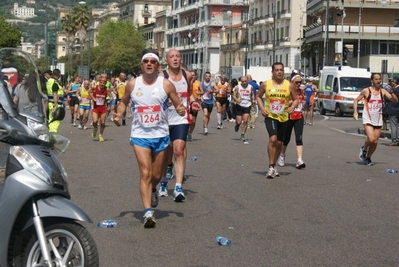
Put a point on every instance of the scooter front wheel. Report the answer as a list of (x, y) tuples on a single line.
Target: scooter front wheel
[(69, 243)]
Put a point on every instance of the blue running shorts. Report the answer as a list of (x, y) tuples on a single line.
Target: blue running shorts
[(85, 107), (155, 144)]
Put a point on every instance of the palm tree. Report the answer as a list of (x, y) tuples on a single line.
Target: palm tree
[(69, 27), (81, 15)]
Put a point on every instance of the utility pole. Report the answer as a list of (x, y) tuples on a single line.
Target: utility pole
[(274, 31)]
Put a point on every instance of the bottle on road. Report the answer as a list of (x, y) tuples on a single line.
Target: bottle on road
[(107, 224), (223, 241)]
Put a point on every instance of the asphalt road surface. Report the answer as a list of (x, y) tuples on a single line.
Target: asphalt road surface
[(335, 212)]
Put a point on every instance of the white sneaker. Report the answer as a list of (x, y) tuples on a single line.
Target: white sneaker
[(84, 128), (80, 126), (149, 220), (270, 173), (163, 190), (300, 164), (281, 161), (178, 194)]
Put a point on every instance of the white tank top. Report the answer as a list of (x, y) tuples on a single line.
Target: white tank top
[(372, 110), (245, 95), (182, 91), (149, 104)]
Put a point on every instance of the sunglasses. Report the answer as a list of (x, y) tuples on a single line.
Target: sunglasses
[(298, 82), (152, 61)]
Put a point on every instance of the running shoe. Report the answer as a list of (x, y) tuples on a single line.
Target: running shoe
[(74, 124), (163, 190), (270, 173), (178, 194), (94, 133), (281, 161), (169, 172), (310, 123), (244, 140), (205, 131), (276, 172), (154, 198), (189, 137), (368, 162), (218, 127), (237, 127), (149, 220), (85, 127), (362, 154), (100, 138), (80, 126), (221, 126), (300, 164)]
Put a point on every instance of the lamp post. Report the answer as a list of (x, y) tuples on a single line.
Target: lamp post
[(325, 54), (358, 39), (230, 14), (274, 31), (303, 12), (343, 15)]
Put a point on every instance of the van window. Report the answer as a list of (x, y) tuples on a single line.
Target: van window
[(335, 87), (329, 82), (354, 84)]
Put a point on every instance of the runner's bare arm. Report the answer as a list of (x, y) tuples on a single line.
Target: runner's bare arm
[(294, 99), (259, 99), (170, 90)]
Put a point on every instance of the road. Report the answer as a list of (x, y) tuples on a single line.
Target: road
[(335, 212)]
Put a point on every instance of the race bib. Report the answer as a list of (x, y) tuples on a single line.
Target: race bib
[(85, 100), (100, 101), (277, 106), (375, 106), (222, 92), (149, 116)]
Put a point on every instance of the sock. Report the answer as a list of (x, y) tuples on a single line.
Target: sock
[(283, 155), (147, 209), (219, 116), (272, 165), (299, 159), (177, 185)]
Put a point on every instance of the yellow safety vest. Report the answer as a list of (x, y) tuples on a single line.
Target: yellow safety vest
[(49, 87)]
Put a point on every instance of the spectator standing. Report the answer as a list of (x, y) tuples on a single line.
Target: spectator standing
[(393, 113)]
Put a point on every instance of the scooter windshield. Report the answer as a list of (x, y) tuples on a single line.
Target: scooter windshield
[(21, 86)]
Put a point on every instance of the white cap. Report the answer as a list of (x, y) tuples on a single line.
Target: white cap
[(311, 78)]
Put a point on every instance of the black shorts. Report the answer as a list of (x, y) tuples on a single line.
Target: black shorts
[(275, 127), (73, 101), (179, 131), (222, 100), (242, 110), (209, 107)]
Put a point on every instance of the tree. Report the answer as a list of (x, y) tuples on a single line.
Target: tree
[(120, 45), (81, 15), (9, 35)]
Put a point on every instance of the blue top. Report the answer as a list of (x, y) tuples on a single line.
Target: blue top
[(207, 97), (74, 88), (255, 86)]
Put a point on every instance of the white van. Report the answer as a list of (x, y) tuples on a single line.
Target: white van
[(339, 86)]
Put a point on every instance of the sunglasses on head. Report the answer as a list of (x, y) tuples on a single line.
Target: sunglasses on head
[(152, 61)]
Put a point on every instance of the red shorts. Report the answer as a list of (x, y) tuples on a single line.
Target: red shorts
[(100, 110)]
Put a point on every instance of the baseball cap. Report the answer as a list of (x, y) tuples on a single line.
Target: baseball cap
[(49, 72), (311, 78)]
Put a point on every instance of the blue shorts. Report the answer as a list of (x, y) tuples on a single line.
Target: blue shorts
[(179, 131), (155, 144), (85, 107)]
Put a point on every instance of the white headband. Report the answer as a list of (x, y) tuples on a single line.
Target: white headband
[(150, 55), (293, 78)]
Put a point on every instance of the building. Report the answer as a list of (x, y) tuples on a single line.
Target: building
[(23, 11), (141, 12), (159, 34), (26, 47), (194, 28), (369, 40), (275, 33)]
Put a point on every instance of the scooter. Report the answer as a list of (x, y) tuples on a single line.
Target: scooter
[(39, 223)]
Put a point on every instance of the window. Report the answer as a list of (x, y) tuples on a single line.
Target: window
[(374, 47), (396, 22), (383, 48), (329, 82), (146, 8), (146, 20)]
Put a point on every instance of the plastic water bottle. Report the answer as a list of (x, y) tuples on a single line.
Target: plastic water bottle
[(107, 224), (223, 241), (194, 158), (391, 171)]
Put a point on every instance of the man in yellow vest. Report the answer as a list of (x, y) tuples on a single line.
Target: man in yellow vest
[(55, 96), (278, 93)]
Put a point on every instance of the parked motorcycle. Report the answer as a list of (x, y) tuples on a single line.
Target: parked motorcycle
[(38, 221)]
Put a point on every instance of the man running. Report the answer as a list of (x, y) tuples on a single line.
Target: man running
[(178, 125), (207, 97), (149, 136), (243, 96), (195, 100), (373, 97), (99, 98), (277, 94), (222, 89)]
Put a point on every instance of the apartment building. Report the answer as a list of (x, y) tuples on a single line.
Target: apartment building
[(141, 12), (23, 11), (368, 30), (194, 28)]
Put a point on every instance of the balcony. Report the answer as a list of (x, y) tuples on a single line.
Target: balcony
[(229, 47), (146, 13), (351, 32), (285, 14)]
